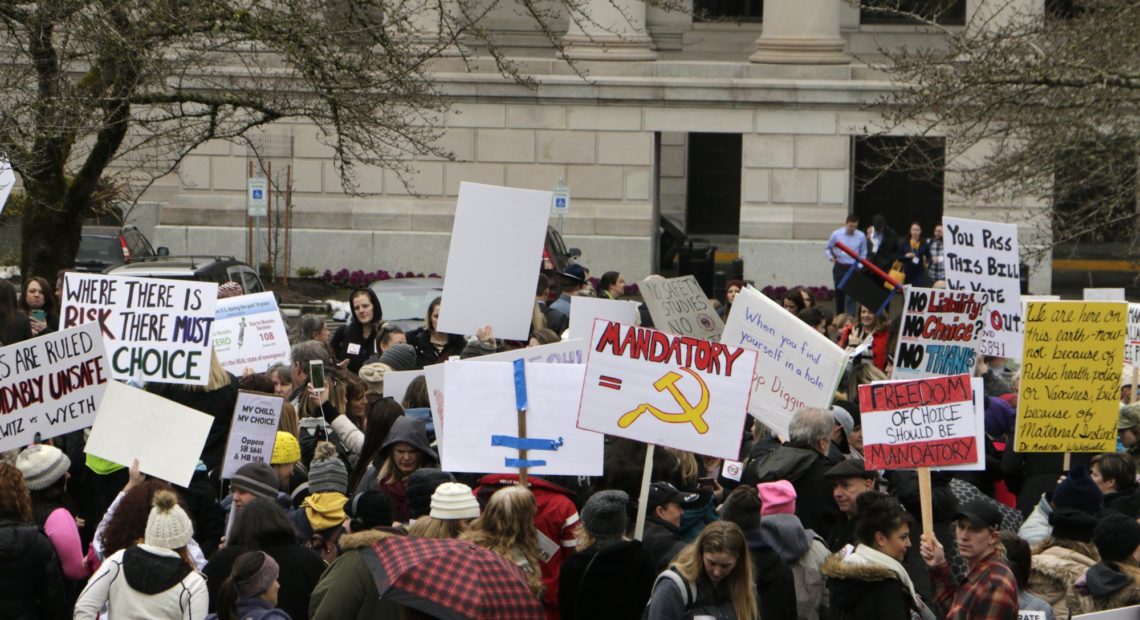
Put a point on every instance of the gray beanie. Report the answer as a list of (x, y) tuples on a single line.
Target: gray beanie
[(256, 478), (327, 473), (400, 356), (604, 514)]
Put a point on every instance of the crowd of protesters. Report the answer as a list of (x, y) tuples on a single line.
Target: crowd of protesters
[(354, 491)]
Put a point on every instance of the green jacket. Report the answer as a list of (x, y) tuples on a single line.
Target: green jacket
[(347, 589)]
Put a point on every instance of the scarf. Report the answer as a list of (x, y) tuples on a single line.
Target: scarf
[(862, 554)]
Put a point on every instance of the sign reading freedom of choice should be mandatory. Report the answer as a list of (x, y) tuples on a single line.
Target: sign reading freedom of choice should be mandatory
[(921, 423), (680, 306), (158, 330), (51, 385), (940, 333), (668, 390), (248, 333), (252, 432), (1070, 377), (983, 257)]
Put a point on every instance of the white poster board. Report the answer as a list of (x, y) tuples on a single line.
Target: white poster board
[(253, 431), (583, 311), (7, 182), (798, 366), (166, 437), (396, 383), (51, 385), (250, 333), (668, 390), (983, 257), (482, 421), (154, 330), (1132, 338), (1104, 294), (433, 375), (498, 233), (940, 333), (680, 306), (929, 422), (1121, 613)]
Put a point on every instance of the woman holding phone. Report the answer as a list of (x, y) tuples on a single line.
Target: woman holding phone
[(38, 302)]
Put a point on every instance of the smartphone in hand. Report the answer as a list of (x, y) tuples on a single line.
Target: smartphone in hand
[(39, 315), (317, 374)]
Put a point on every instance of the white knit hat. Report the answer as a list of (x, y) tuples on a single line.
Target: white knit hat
[(454, 500), (168, 526), (42, 466)]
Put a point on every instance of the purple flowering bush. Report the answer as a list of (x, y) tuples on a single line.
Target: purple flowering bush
[(361, 279)]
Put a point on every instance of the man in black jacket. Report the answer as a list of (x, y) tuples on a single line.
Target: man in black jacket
[(662, 538)]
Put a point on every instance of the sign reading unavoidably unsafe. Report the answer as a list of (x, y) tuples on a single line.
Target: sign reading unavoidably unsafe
[(1069, 399), (668, 390), (920, 423), (940, 334), (154, 330)]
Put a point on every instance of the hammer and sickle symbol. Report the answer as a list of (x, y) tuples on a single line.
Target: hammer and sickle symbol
[(690, 413)]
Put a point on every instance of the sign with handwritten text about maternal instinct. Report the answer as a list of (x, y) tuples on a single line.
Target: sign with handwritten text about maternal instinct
[(1070, 376), (920, 423), (798, 366), (156, 330)]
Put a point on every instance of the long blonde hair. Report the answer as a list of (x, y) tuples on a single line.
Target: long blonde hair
[(430, 527), (690, 469), (726, 537), (507, 528)]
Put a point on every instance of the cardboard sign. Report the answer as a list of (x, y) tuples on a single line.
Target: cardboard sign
[(798, 367), (396, 383), (1104, 294), (680, 306), (253, 431), (165, 437), (499, 232), (250, 333), (1070, 376), (7, 182), (1132, 342), (940, 334), (583, 311), (51, 385), (1121, 613), (667, 390), (983, 257), (921, 423), (482, 421), (154, 330)]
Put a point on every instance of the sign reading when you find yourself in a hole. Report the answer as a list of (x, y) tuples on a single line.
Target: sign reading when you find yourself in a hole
[(155, 330)]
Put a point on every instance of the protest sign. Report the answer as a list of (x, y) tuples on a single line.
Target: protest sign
[(250, 333), (583, 311), (1120, 613), (680, 306), (1070, 376), (1132, 343), (982, 257), (154, 330), (498, 233), (798, 366), (434, 377), (940, 333), (396, 383), (667, 390), (482, 423), (253, 431), (921, 423), (51, 385), (1104, 294), (7, 182), (165, 437)]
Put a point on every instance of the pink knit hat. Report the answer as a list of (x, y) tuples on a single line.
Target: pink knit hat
[(778, 497)]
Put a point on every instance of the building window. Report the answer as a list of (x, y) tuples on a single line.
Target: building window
[(728, 10), (950, 12), (899, 178)]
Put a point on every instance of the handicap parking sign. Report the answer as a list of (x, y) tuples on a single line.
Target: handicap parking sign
[(561, 203)]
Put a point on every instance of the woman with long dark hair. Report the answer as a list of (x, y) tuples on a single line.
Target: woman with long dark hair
[(356, 341), (33, 586), (38, 302), (378, 420), (433, 346), (251, 590), (14, 324)]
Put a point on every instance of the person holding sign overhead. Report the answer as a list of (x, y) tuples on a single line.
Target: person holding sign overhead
[(355, 342), (990, 589)]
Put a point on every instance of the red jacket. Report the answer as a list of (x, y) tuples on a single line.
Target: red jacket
[(880, 340), (557, 519)]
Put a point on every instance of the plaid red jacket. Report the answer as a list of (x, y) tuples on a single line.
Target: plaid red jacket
[(988, 593)]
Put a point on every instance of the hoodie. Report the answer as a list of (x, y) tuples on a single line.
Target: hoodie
[(144, 582), (804, 552), (1106, 585), (773, 578)]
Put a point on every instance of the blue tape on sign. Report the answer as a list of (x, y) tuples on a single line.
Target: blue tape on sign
[(520, 385), (526, 443), (521, 463)]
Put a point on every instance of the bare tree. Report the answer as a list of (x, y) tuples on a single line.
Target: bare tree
[(1040, 108)]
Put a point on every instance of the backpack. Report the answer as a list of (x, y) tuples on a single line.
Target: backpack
[(688, 590)]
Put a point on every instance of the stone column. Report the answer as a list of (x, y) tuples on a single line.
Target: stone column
[(609, 30), (801, 32)]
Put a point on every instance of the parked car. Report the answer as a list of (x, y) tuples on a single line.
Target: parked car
[(404, 301), (218, 269), (103, 247)]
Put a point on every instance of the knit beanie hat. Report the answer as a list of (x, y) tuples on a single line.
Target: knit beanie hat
[(256, 478), (260, 581), (286, 449), (325, 510), (604, 515), (843, 419), (777, 498), (1116, 537), (167, 526), (1072, 524), (400, 356), (742, 508), (327, 473), (420, 486), (370, 509), (454, 500), (42, 466), (373, 376), (1078, 491)]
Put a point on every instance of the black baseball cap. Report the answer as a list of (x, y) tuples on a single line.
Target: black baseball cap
[(661, 493), (981, 513)]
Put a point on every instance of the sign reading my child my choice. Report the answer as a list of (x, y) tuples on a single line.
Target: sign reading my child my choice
[(668, 390), (156, 330), (1070, 376), (922, 423)]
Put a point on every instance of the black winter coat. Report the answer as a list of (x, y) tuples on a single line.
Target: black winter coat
[(301, 569), (614, 582), (426, 353), (804, 468), (865, 592), (775, 583), (662, 542), (32, 586), (218, 404), (352, 334), (1031, 474)]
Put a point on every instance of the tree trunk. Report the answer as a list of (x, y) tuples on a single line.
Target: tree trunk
[(50, 234)]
